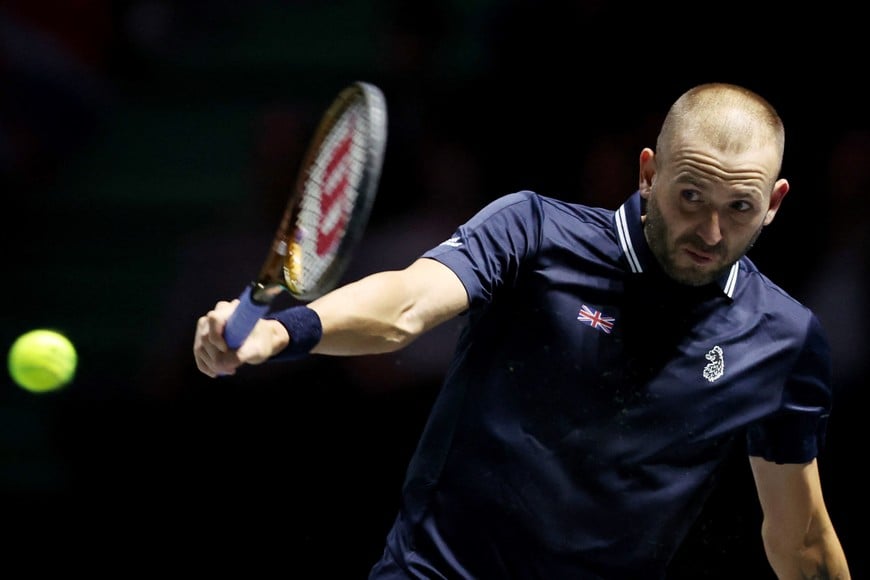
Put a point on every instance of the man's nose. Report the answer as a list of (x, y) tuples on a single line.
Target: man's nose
[(709, 229)]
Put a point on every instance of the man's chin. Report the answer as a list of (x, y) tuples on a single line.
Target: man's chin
[(693, 276)]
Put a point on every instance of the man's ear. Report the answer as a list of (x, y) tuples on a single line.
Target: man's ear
[(647, 171), (780, 188)]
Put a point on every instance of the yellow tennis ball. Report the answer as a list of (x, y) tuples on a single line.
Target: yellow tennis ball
[(42, 360)]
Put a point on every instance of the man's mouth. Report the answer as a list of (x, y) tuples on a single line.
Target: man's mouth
[(699, 256)]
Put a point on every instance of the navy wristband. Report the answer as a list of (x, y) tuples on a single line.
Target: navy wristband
[(303, 326)]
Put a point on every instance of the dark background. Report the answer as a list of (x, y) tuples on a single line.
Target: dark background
[(145, 147)]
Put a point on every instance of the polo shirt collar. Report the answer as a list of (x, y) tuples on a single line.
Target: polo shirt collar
[(639, 257)]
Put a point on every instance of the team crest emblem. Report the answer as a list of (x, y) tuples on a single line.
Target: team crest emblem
[(716, 367)]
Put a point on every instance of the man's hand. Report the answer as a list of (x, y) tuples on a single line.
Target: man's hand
[(214, 358)]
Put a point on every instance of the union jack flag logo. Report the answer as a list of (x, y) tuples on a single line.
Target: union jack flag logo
[(595, 319)]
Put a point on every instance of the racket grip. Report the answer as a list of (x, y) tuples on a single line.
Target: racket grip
[(243, 319)]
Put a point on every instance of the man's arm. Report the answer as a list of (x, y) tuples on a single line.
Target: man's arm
[(799, 538), (387, 311), (380, 313)]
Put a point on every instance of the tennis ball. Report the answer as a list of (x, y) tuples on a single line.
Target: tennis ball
[(42, 360)]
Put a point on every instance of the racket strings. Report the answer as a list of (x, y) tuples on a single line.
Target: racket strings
[(330, 193)]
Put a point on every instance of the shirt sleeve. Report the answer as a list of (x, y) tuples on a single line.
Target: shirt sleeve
[(487, 252), (796, 433)]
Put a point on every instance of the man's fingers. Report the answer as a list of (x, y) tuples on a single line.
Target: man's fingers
[(212, 355)]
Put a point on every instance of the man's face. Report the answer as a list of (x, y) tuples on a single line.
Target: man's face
[(684, 256), (706, 208)]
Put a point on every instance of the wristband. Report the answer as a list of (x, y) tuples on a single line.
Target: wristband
[(305, 330)]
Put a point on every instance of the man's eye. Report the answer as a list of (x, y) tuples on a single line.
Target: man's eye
[(690, 195), (741, 206)]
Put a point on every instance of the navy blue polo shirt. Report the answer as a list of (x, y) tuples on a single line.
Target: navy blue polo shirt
[(592, 400)]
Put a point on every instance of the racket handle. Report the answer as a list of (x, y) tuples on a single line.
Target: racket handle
[(243, 319)]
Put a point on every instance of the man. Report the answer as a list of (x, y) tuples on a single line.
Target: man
[(609, 362)]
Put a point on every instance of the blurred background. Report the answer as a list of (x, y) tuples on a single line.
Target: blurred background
[(146, 146)]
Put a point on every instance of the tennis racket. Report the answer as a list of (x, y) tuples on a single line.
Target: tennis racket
[(326, 212)]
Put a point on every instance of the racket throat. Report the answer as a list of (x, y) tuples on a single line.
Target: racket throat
[(264, 293)]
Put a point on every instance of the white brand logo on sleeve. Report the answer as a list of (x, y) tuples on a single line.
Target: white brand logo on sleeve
[(452, 242)]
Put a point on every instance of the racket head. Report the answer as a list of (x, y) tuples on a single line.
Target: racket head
[(329, 208)]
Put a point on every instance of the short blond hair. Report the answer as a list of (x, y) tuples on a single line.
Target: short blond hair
[(730, 117)]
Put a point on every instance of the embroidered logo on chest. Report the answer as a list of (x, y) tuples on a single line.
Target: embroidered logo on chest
[(716, 367), (595, 319)]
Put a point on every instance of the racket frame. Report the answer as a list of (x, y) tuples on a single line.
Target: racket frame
[(277, 273)]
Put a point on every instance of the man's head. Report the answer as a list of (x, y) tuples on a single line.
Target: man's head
[(711, 185)]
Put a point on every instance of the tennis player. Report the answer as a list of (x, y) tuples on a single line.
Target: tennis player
[(610, 361)]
